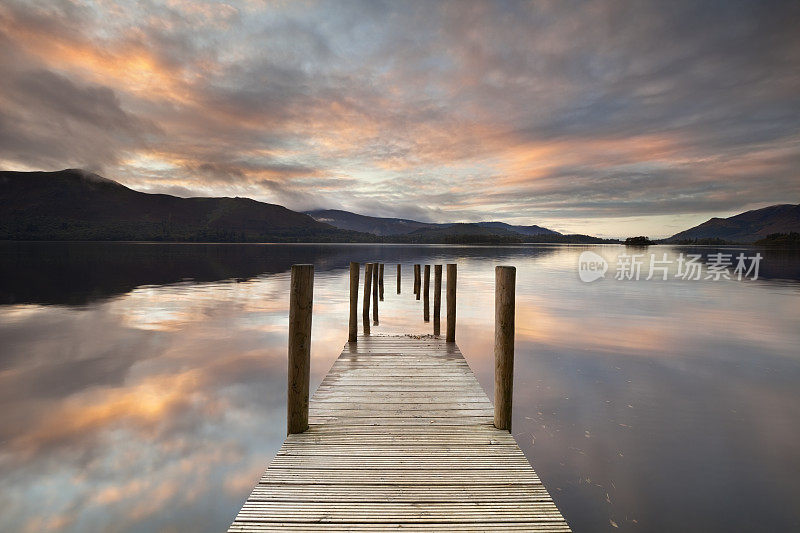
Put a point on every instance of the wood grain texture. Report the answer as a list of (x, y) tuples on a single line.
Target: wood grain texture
[(417, 280), (301, 299), (452, 271), (505, 281), (375, 271), (400, 436), (437, 299), (352, 329), (380, 281), (367, 296), (426, 299)]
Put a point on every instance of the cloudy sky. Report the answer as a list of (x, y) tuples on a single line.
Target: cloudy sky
[(611, 118)]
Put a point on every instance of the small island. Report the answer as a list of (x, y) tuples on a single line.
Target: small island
[(638, 241)]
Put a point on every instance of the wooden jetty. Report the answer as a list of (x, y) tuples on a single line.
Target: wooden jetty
[(399, 434)]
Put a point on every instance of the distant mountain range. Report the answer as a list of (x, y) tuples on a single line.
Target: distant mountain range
[(746, 227), (73, 204), (404, 226), (413, 231), (366, 224)]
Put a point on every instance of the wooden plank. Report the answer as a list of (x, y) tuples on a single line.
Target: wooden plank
[(403, 435), (411, 493), (345, 476), (382, 512), (384, 399), (475, 450), (482, 432), (400, 411), (254, 527), (400, 436), (334, 462), (402, 421)]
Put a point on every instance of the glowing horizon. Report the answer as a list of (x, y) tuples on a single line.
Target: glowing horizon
[(605, 118)]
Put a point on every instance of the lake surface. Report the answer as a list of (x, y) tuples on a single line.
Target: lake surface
[(142, 386)]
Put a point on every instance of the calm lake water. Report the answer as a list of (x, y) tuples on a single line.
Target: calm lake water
[(142, 386)]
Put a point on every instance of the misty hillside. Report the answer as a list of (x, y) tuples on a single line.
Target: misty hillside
[(74, 204), (746, 227), (458, 233), (403, 226), (480, 234), (375, 225), (522, 230)]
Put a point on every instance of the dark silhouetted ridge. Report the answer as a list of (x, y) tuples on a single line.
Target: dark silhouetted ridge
[(746, 227), (74, 204)]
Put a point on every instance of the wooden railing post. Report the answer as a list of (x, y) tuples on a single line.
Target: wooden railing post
[(301, 299), (505, 281), (398, 278), (380, 281), (451, 302), (375, 270), (353, 325), (437, 299), (416, 281), (367, 296), (426, 313)]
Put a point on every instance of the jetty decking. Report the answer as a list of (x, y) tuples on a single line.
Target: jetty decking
[(400, 435)]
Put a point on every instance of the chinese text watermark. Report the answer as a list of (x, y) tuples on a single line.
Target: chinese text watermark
[(692, 267)]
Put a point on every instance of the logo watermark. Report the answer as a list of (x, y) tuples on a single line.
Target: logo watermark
[(591, 266), (690, 267)]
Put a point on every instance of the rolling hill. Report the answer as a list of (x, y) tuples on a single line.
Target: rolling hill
[(522, 230), (479, 234), (745, 227), (74, 204), (403, 226), (463, 233), (375, 225)]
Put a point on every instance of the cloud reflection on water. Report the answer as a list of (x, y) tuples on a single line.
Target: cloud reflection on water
[(142, 418), (156, 408)]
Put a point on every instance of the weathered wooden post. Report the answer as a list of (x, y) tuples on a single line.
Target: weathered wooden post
[(398, 278), (451, 302), (416, 281), (380, 281), (375, 270), (301, 298), (426, 313), (437, 299), (505, 281), (353, 325), (367, 296)]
